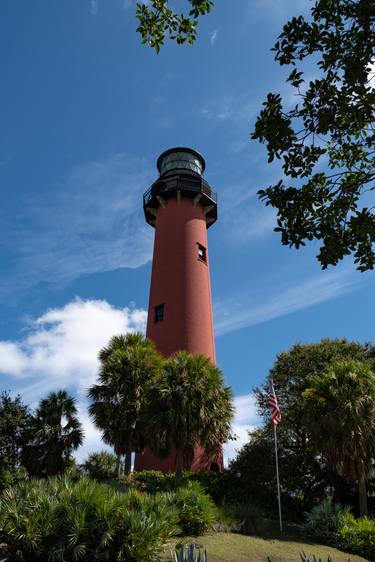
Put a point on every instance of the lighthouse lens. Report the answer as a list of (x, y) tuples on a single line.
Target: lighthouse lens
[(181, 161)]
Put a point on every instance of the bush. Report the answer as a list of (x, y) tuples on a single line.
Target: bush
[(10, 478), (244, 518), (101, 466), (152, 481), (59, 519), (336, 526), (325, 521), (358, 536), (195, 509)]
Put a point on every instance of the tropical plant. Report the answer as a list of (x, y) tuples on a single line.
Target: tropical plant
[(58, 519), (195, 510), (127, 366), (305, 477), (325, 520), (339, 408), (189, 553), (101, 465), (54, 432), (326, 139), (188, 406)]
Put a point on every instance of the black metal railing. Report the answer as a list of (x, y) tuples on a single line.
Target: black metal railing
[(184, 183)]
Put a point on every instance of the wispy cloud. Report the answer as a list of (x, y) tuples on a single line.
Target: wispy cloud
[(245, 419), (93, 222), (276, 10), (238, 313), (213, 36), (94, 7), (127, 4), (236, 108)]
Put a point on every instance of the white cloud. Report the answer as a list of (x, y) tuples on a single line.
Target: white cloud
[(245, 419), (233, 314), (213, 36), (60, 350), (92, 223), (61, 347), (92, 440)]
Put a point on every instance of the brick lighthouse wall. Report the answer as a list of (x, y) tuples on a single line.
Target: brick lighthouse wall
[(181, 282)]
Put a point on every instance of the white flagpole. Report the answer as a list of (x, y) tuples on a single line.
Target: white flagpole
[(277, 479)]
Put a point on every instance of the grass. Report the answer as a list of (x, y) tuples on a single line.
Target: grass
[(231, 547)]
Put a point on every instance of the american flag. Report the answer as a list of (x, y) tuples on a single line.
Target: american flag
[(276, 414)]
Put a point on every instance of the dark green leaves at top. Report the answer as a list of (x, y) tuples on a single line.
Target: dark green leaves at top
[(157, 20), (326, 142)]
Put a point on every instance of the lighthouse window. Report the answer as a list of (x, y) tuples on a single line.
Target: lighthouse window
[(202, 253), (159, 313)]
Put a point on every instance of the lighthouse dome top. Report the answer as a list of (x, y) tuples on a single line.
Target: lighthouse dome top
[(184, 159)]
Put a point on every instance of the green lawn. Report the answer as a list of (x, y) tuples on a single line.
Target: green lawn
[(231, 547)]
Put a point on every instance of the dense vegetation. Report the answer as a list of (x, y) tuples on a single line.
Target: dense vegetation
[(59, 519), (326, 392)]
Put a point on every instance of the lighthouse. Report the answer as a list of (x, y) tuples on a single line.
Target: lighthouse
[(181, 206)]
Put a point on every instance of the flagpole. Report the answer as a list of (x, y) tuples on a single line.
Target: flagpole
[(277, 478)]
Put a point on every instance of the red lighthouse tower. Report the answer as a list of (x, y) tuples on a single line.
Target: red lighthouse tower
[(181, 206)]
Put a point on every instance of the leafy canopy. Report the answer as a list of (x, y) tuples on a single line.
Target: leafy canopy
[(14, 419), (157, 20), (339, 414), (326, 141), (53, 434), (127, 365), (188, 406), (305, 476)]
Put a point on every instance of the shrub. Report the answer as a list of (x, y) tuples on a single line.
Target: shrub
[(245, 518), (325, 520), (338, 527), (63, 520), (101, 466), (195, 509), (358, 536), (152, 481)]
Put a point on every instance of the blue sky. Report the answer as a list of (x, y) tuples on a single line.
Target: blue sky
[(85, 111)]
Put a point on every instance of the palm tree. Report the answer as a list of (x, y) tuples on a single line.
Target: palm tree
[(339, 410), (188, 406), (54, 433), (128, 364)]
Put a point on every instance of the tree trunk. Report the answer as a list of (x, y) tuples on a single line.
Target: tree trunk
[(362, 493), (179, 466), (118, 466), (128, 463)]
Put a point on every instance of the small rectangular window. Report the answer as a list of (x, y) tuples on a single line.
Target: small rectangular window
[(159, 313), (202, 253)]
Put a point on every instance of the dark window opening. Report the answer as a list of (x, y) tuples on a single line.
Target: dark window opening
[(159, 313), (202, 253)]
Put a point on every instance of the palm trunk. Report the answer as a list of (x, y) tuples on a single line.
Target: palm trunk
[(179, 466), (128, 463), (118, 466), (362, 493)]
